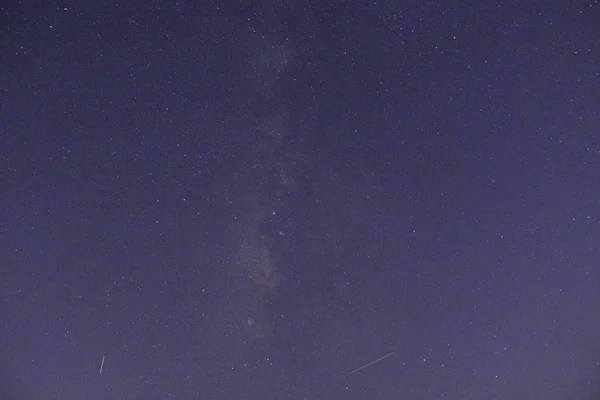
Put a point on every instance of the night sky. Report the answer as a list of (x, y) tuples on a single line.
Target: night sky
[(225, 201)]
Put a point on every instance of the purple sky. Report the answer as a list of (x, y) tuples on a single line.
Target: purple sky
[(252, 202)]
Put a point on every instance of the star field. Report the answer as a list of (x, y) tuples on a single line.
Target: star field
[(300, 200)]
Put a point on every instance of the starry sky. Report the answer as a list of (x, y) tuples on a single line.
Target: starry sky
[(253, 200)]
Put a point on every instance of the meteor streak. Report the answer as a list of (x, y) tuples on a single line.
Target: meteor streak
[(371, 363), (101, 364)]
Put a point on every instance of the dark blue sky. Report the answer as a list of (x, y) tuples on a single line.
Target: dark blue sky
[(251, 202)]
